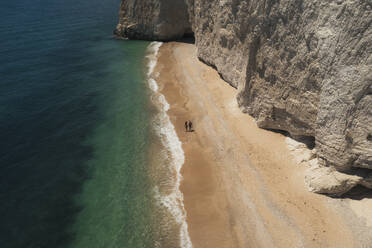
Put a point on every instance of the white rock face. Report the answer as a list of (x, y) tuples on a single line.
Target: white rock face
[(300, 66)]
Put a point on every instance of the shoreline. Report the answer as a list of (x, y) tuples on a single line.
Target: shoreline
[(172, 200), (240, 185)]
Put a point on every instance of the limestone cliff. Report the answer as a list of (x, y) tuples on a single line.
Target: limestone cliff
[(300, 66), (153, 19)]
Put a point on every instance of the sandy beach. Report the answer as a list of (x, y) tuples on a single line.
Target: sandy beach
[(241, 187)]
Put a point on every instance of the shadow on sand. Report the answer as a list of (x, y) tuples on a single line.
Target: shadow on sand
[(358, 193)]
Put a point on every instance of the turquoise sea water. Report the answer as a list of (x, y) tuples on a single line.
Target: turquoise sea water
[(77, 145)]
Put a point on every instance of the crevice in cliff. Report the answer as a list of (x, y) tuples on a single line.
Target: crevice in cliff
[(309, 141), (252, 63), (188, 37)]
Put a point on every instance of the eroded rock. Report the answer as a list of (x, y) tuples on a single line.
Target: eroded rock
[(326, 180)]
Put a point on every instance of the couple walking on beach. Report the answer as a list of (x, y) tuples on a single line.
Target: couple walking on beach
[(188, 126)]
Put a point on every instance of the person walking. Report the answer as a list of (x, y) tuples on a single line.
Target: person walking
[(190, 126), (186, 125)]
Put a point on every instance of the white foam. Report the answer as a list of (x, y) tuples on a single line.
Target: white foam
[(165, 105), (153, 85), (153, 56), (173, 201)]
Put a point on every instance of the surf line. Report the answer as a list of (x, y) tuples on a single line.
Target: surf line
[(173, 201)]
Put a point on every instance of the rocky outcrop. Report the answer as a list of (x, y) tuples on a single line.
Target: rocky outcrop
[(299, 66), (326, 180), (153, 19)]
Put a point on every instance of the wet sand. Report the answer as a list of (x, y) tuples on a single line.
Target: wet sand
[(241, 187)]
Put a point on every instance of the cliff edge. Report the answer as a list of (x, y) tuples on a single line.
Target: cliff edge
[(303, 67)]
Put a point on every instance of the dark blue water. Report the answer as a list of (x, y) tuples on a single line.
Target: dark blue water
[(74, 128)]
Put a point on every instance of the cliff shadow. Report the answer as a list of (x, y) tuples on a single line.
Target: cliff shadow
[(357, 193), (187, 38)]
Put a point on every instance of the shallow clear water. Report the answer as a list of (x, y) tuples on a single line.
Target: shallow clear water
[(75, 130)]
